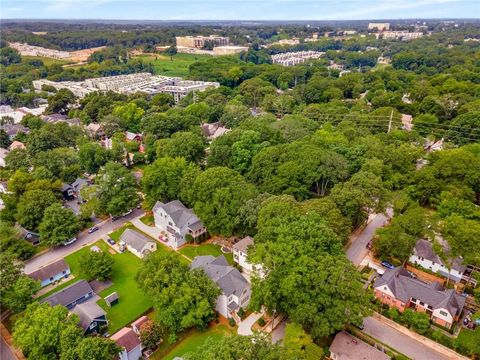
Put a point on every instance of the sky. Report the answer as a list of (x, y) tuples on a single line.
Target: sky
[(238, 10)]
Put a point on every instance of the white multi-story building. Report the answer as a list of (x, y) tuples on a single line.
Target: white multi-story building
[(240, 250), (295, 58), (379, 26), (30, 50), (400, 35)]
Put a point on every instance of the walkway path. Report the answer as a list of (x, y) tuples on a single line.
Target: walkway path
[(245, 327)]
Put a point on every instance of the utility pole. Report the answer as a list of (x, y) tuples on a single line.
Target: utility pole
[(390, 122)]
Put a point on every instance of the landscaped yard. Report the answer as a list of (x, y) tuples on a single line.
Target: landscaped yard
[(147, 220), (469, 339), (191, 342), (176, 65), (191, 251)]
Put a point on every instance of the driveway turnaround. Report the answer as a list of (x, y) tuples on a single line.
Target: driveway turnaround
[(408, 346), (245, 327)]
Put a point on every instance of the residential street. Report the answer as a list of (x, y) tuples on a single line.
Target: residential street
[(401, 342), (84, 239), (5, 352), (358, 248)]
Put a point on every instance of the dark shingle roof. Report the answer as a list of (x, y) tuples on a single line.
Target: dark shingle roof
[(225, 276), (88, 312), (69, 294), (180, 214), (424, 248), (49, 270), (404, 287)]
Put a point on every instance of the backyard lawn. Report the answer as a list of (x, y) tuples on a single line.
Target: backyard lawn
[(191, 251), (176, 65), (191, 342), (469, 339)]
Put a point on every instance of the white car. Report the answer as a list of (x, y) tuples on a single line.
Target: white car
[(71, 241)]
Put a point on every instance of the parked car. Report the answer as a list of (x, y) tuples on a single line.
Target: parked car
[(115, 218), (387, 265), (111, 241), (162, 238), (127, 213), (71, 241), (92, 229), (370, 244)]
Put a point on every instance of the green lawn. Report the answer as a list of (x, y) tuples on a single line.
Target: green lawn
[(469, 339), (115, 235), (191, 251), (133, 301), (191, 342), (147, 220), (176, 65), (46, 61)]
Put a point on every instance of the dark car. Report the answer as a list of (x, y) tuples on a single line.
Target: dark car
[(387, 265), (370, 244), (92, 229), (115, 218), (111, 241)]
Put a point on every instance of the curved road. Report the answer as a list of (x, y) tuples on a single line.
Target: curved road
[(84, 239)]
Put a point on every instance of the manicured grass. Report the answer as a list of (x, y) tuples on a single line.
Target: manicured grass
[(133, 301), (191, 251), (176, 65), (147, 220), (115, 235), (191, 342), (45, 60)]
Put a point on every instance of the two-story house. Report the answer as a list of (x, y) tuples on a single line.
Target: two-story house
[(177, 221), (425, 256), (396, 288), (235, 288), (240, 257)]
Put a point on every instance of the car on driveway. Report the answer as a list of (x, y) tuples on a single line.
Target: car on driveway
[(111, 241), (387, 265), (92, 229)]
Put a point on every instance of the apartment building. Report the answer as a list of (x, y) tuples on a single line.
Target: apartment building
[(200, 41), (400, 35), (379, 26), (30, 50), (295, 58)]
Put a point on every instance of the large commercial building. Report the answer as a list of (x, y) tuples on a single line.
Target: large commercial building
[(401, 35), (129, 84), (378, 26), (200, 41), (30, 50), (294, 58)]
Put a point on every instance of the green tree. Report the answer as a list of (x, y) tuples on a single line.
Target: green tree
[(183, 298), (96, 265), (20, 293), (151, 334), (58, 225), (17, 159), (60, 102), (299, 344), (182, 144), (130, 114), (96, 348), (116, 189), (92, 157), (31, 207), (218, 193)]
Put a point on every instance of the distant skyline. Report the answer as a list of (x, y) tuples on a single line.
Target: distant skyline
[(238, 10)]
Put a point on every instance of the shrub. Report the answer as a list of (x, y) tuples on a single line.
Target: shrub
[(241, 313), (231, 322), (261, 321)]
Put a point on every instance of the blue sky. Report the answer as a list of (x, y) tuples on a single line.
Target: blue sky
[(238, 10)]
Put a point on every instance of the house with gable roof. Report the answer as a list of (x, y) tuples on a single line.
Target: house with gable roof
[(235, 288), (177, 221), (50, 273), (396, 288)]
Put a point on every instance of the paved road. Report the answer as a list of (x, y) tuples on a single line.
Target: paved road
[(84, 239), (410, 347), (5, 352), (358, 248)]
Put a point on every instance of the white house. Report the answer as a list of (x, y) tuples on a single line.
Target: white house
[(137, 243), (3, 155), (424, 256), (176, 222), (240, 257), (235, 288), (130, 344)]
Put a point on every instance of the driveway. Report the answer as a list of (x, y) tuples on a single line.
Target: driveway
[(245, 327), (5, 352), (358, 247), (279, 332), (151, 231), (408, 346), (84, 239)]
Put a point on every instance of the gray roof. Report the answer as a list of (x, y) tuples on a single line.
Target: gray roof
[(243, 244), (13, 129), (424, 248), (79, 183), (135, 239), (180, 214), (347, 347), (69, 294), (225, 276), (88, 312), (404, 287), (50, 270)]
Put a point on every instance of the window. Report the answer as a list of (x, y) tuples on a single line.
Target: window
[(170, 223), (422, 304), (51, 279), (443, 313), (64, 271)]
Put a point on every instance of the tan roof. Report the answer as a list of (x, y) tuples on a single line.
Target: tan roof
[(243, 244), (126, 338), (347, 347)]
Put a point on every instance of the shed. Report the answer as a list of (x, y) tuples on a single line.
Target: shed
[(112, 299)]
